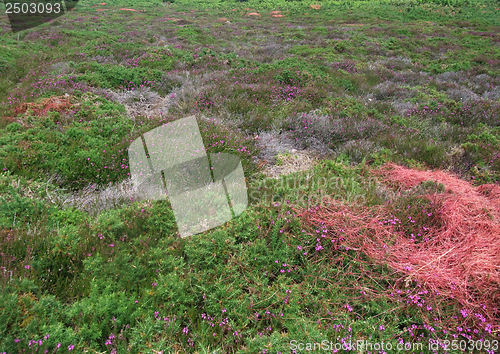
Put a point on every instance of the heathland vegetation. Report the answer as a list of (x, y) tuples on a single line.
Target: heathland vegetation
[(369, 134)]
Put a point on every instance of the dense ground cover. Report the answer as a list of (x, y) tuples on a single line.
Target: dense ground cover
[(88, 266)]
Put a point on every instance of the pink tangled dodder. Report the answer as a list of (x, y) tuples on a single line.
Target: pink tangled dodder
[(461, 258)]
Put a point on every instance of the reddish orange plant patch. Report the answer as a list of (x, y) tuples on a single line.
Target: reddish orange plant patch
[(461, 257), (316, 7), (56, 103)]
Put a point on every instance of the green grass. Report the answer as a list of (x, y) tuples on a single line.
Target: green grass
[(332, 79), (233, 272)]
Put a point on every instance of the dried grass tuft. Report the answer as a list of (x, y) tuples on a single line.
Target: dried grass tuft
[(56, 103), (95, 199)]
